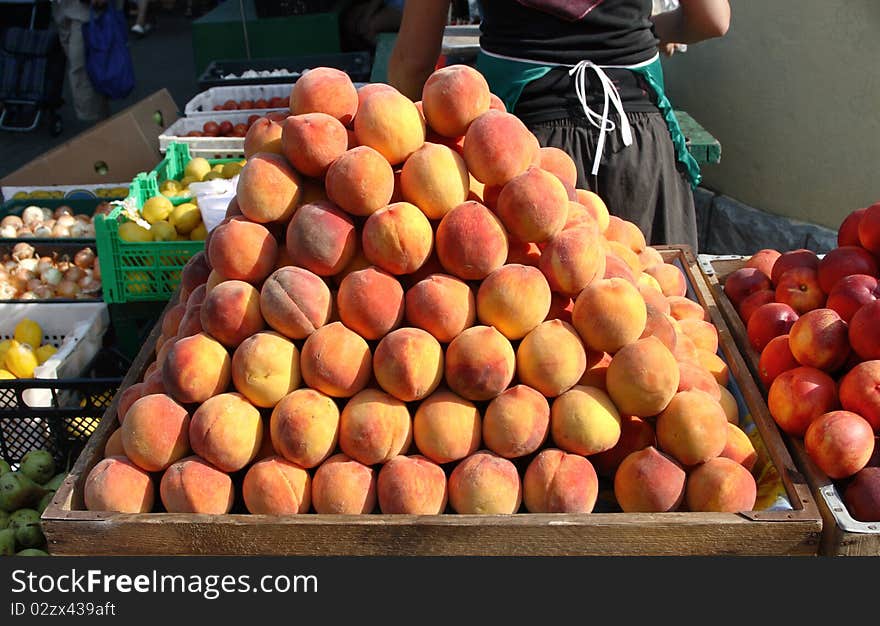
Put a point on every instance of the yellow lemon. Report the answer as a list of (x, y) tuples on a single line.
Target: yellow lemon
[(185, 217), (130, 231), (6, 375), (211, 176), (199, 233), (44, 352), (157, 208), (186, 180), (217, 167), (163, 231), (4, 346), (21, 195), (21, 360), (138, 282), (170, 187), (29, 332), (197, 168), (230, 169)]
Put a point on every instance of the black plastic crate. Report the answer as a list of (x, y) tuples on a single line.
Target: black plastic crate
[(283, 8), (357, 65), (63, 428)]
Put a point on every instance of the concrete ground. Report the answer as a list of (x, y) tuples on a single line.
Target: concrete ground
[(163, 58)]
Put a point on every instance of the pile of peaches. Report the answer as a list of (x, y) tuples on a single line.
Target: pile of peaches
[(815, 322)]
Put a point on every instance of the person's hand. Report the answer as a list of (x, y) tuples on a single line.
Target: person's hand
[(668, 49)]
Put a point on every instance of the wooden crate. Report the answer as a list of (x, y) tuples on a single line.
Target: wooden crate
[(842, 535), (71, 530)]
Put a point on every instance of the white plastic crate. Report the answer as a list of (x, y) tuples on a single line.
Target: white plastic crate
[(202, 105), (208, 147)]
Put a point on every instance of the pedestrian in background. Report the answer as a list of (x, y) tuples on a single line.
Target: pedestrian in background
[(69, 16)]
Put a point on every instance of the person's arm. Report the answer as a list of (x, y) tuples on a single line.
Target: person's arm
[(693, 21), (418, 45)]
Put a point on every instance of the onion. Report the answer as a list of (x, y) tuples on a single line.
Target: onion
[(24, 232), (42, 231), (47, 213), (66, 220), (22, 251), (67, 289), (33, 283), (60, 231), (32, 214), (89, 231), (44, 263), (49, 223), (96, 269), (82, 217), (8, 232), (7, 291), (11, 220), (63, 265), (28, 295), (78, 230), (74, 273), (44, 292), (29, 264), (89, 284), (52, 276), (85, 258), (9, 264), (20, 277), (62, 210)]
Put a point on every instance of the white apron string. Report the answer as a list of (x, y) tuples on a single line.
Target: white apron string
[(600, 121)]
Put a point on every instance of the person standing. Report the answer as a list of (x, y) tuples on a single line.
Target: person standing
[(141, 27), (585, 76), (69, 16)]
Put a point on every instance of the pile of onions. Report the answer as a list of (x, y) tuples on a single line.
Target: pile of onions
[(41, 222), (26, 276)]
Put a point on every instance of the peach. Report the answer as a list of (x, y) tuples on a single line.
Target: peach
[(862, 495), (155, 432), (336, 361), (242, 250), (715, 365), (366, 90), (753, 301), (435, 179), (840, 443), (695, 377), (485, 484), (642, 377), (702, 333), (312, 141), (446, 427), (819, 339), (848, 233), (585, 421), (325, 90), (860, 392), (514, 299), (692, 428), (170, 322), (597, 369), (342, 486), (412, 485), (635, 434), (739, 447), (560, 164), (226, 431), (729, 404), (321, 238), (769, 321), (794, 258), (682, 308), (398, 238), (390, 123), (295, 302), (480, 363), (655, 298), (195, 271), (850, 293), (274, 486), (442, 305), (264, 135), (408, 364), (516, 422), (370, 302), (864, 332), (490, 194), (304, 427), (374, 427), (453, 97), (551, 358), (127, 398), (776, 358), (572, 260), (595, 207), (268, 188), (533, 206), (649, 481), (360, 181), (845, 261), (215, 278), (609, 313), (763, 260), (523, 253), (558, 482), (265, 368), (721, 485), (498, 147), (869, 228), (615, 267), (231, 312), (743, 282), (631, 259), (117, 484), (799, 396), (671, 279), (196, 368), (471, 241), (430, 266), (114, 447), (561, 307), (625, 232)]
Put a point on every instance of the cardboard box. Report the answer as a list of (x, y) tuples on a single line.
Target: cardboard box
[(113, 150)]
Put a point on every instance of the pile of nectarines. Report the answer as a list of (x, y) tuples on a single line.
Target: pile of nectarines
[(816, 325), (411, 308)]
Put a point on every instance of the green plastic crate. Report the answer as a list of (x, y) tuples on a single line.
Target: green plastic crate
[(174, 164)]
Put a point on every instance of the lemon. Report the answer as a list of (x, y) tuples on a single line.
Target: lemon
[(163, 231), (6, 375), (82, 426), (217, 167), (186, 180), (130, 231), (230, 169), (21, 195), (199, 233), (21, 360), (185, 217), (197, 168), (211, 176), (44, 352), (138, 282), (170, 187), (157, 208), (29, 332), (4, 346)]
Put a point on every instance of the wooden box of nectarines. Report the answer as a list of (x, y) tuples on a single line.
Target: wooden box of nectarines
[(470, 356), (807, 328)]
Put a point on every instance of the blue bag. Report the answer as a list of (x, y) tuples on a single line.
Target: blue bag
[(108, 59)]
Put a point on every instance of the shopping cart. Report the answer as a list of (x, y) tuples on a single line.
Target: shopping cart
[(32, 65)]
